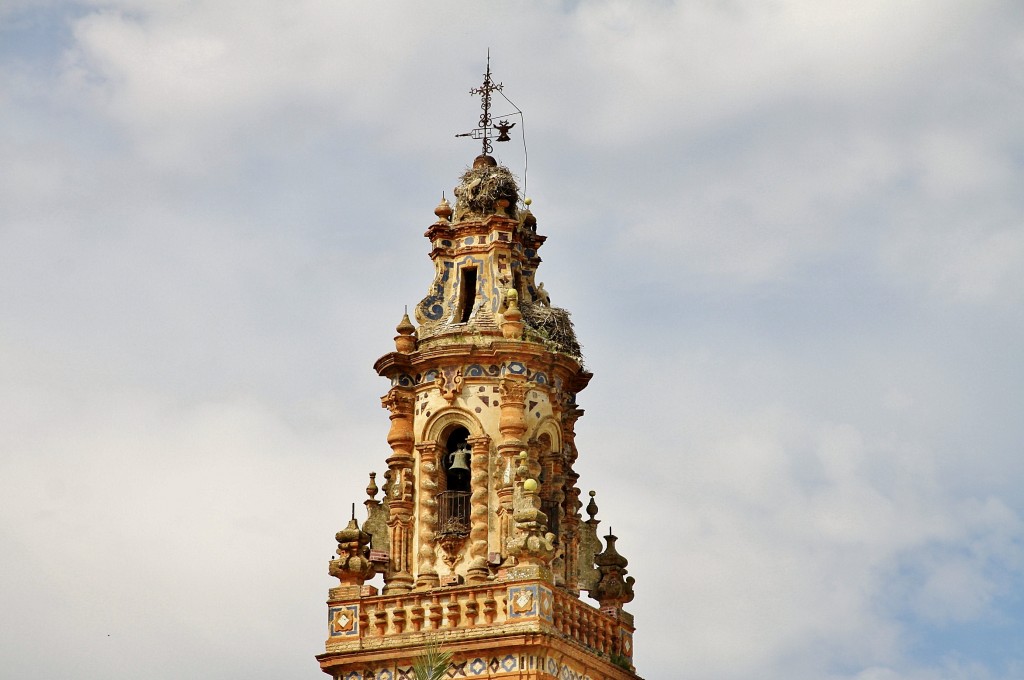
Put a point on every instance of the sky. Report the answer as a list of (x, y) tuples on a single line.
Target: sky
[(790, 233)]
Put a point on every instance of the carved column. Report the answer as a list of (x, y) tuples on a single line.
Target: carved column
[(427, 572), (531, 543), (512, 426), (570, 534), (478, 510), (400, 401), (570, 537), (554, 494)]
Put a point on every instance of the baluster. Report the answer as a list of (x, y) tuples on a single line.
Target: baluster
[(380, 619), (398, 617), (364, 622), (490, 607), (435, 612), (417, 617), (454, 612), (472, 609)]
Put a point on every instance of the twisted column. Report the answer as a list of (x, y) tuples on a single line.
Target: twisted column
[(427, 572), (478, 510)]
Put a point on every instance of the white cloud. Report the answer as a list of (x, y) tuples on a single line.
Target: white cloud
[(788, 233)]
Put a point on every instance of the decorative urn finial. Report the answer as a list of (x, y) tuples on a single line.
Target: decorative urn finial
[(443, 211), (512, 319), (405, 341), (352, 566), (614, 588)]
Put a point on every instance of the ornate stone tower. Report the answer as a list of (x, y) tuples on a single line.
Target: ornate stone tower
[(478, 532)]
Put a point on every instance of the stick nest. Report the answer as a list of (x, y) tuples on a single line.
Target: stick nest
[(480, 188), (554, 326)]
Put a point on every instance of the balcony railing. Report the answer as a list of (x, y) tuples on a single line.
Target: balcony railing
[(453, 513)]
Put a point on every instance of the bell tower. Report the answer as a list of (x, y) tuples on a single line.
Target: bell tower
[(477, 532)]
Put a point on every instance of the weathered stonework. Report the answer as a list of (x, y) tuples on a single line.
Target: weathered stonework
[(478, 533)]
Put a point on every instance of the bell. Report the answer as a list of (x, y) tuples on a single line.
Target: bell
[(459, 461), (458, 470)]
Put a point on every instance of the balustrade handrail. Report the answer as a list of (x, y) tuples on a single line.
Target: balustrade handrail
[(453, 512)]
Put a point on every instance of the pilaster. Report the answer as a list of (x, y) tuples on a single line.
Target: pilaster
[(399, 489)]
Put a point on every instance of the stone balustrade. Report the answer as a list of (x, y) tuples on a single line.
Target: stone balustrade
[(470, 612)]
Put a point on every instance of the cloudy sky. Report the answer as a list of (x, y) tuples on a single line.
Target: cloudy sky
[(791, 234)]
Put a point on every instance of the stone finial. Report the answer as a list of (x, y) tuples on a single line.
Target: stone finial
[(533, 545), (523, 470), (352, 566), (372, 488), (512, 319), (443, 211), (405, 341), (592, 508), (614, 588), (526, 217)]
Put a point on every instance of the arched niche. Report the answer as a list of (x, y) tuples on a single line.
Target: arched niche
[(547, 443), (548, 428)]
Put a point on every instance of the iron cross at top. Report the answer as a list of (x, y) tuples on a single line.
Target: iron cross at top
[(483, 130)]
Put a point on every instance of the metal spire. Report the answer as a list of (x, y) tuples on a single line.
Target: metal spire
[(483, 130)]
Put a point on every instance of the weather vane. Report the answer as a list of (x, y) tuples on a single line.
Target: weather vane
[(483, 130)]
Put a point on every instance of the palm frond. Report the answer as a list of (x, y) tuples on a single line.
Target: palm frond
[(433, 663)]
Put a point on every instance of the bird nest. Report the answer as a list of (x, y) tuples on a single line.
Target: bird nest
[(480, 189), (554, 327)]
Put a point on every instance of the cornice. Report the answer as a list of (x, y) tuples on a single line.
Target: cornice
[(499, 351)]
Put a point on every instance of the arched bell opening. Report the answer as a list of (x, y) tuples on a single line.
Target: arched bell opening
[(453, 500), (457, 455)]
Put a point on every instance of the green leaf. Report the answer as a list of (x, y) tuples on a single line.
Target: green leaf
[(433, 663)]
